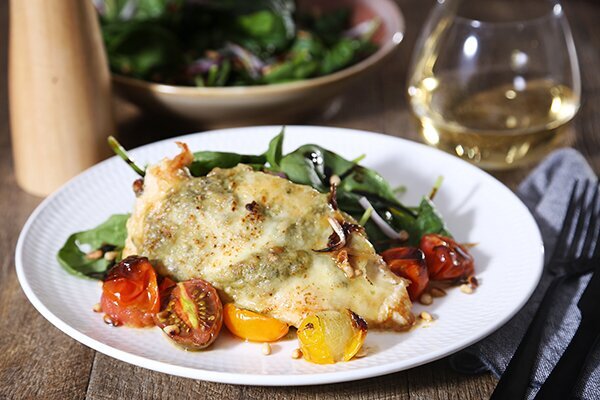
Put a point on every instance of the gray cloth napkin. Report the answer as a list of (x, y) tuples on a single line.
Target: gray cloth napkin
[(546, 193)]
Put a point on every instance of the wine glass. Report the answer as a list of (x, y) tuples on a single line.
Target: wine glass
[(495, 82)]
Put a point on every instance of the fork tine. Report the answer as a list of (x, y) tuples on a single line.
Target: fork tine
[(591, 234), (581, 218), (561, 241)]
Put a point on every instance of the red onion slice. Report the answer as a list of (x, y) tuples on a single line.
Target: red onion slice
[(379, 221)]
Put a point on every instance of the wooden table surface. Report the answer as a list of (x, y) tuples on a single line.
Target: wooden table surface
[(37, 361)]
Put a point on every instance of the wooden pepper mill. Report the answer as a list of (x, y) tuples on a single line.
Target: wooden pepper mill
[(59, 90)]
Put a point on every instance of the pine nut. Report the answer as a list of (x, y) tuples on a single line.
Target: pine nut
[(425, 316), (426, 299), (266, 349), (97, 307), (296, 354), (171, 330), (94, 255), (466, 288)]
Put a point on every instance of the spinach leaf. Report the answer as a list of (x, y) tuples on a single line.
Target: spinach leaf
[(217, 75), (300, 67), (429, 219), (262, 32), (142, 49), (274, 152), (329, 25), (125, 10), (313, 165), (205, 161), (154, 9), (72, 256), (301, 62), (340, 55), (306, 166), (165, 40), (110, 9), (369, 182)]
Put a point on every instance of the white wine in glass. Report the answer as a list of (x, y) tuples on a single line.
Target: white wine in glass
[(495, 90)]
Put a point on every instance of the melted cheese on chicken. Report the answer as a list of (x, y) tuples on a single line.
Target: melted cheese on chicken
[(252, 235)]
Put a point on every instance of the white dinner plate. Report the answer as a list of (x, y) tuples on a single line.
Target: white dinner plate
[(476, 207)]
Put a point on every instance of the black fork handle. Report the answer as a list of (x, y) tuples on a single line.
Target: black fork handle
[(515, 379), (561, 381)]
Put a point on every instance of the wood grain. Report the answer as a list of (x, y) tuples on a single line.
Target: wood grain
[(36, 360), (39, 362)]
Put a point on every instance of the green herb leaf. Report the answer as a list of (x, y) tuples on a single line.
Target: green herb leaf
[(205, 161), (330, 25), (313, 165), (72, 256), (340, 55), (429, 219), (142, 49), (301, 62), (369, 182), (262, 32), (162, 40), (125, 10), (274, 152), (306, 166)]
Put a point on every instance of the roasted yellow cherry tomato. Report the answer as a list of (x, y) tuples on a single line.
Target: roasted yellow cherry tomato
[(327, 337), (252, 326)]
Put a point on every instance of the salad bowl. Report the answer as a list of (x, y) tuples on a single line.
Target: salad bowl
[(274, 103)]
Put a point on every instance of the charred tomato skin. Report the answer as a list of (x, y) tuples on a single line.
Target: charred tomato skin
[(130, 293), (409, 263), (446, 259), (191, 314)]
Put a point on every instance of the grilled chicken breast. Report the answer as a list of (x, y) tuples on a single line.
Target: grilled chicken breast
[(253, 236)]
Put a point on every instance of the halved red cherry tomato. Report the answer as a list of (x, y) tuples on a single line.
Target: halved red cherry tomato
[(446, 259), (130, 293), (191, 314), (409, 263), (165, 285)]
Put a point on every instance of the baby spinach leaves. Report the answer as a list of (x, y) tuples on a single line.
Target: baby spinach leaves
[(274, 152), (75, 258), (426, 219), (228, 42), (205, 161), (314, 165)]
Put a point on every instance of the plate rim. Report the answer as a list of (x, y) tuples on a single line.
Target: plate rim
[(270, 379)]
